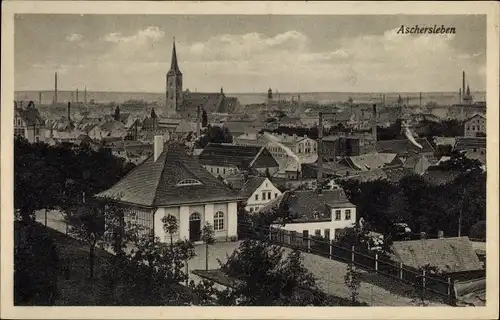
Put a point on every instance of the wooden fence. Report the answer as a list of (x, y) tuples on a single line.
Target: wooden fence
[(370, 261)]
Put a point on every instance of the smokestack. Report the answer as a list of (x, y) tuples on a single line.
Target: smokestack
[(158, 147), (85, 95), (198, 119), (40, 98), (463, 85), (320, 151), (420, 98), (72, 97), (459, 95), (55, 88), (77, 96), (69, 111), (374, 125)]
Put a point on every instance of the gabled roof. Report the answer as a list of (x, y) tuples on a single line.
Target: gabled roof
[(469, 143), (308, 205), (250, 186), (448, 254), (235, 155), (30, 115), (404, 147), (370, 161), (154, 183), (476, 115)]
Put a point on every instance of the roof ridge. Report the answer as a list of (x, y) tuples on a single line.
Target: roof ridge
[(160, 175)]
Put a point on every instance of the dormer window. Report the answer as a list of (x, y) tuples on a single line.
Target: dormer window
[(189, 182)]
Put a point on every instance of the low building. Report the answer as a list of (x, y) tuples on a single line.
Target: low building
[(475, 125), (470, 144), (226, 159), (455, 257), (171, 183), (314, 214), (404, 148), (258, 191)]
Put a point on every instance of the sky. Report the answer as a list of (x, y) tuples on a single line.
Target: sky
[(248, 53)]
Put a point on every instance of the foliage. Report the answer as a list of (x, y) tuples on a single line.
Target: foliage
[(265, 276), (36, 266), (170, 226), (420, 296), (213, 134), (87, 224), (352, 281)]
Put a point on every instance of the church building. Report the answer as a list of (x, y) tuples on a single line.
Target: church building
[(185, 104)]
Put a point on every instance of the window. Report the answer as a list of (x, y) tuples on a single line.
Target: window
[(269, 196), (37, 139), (217, 169), (195, 216), (219, 221), (189, 182), (348, 214), (305, 234), (263, 196), (18, 121), (37, 131), (337, 214), (275, 195), (256, 197), (327, 233), (251, 209), (224, 170), (317, 233)]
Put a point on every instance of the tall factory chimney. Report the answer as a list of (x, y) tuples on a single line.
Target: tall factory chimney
[(320, 151), (85, 95), (77, 96), (40, 98), (55, 88), (69, 111), (463, 84), (198, 119), (374, 123), (459, 95), (420, 99)]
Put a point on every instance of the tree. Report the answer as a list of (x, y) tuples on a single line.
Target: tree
[(353, 282), (36, 267), (170, 226), (265, 277), (87, 225), (207, 235)]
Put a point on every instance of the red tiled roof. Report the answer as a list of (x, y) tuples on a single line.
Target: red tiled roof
[(154, 184)]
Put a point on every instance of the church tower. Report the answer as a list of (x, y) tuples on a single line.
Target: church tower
[(174, 84)]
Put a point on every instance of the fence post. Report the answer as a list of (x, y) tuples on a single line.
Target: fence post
[(423, 279), (449, 286), (331, 249), (376, 262), (308, 244), (352, 254), (401, 270)]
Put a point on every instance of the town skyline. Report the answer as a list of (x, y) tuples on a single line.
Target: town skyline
[(106, 53)]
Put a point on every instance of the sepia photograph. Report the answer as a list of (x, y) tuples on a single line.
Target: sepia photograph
[(182, 159)]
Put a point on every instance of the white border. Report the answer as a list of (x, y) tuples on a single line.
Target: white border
[(491, 9)]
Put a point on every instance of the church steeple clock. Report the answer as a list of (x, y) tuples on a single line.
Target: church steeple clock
[(174, 84)]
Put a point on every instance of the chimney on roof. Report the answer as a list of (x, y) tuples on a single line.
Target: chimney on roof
[(158, 147), (69, 111), (76, 95), (440, 234)]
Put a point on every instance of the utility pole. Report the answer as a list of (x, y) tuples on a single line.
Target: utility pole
[(460, 214)]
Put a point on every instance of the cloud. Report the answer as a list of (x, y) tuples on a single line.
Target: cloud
[(150, 33), (74, 37)]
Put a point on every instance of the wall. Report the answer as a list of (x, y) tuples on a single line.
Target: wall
[(207, 213), (223, 171), (333, 225), (474, 125), (267, 187)]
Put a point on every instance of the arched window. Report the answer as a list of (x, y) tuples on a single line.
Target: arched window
[(194, 216), (219, 221), (188, 182)]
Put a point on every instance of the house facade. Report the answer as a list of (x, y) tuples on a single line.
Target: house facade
[(171, 183), (28, 123), (475, 125), (258, 191), (315, 214)]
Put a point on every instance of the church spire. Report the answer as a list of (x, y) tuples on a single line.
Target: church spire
[(174, 67)]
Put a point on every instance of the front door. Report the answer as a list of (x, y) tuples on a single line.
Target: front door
[(195, 227)]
